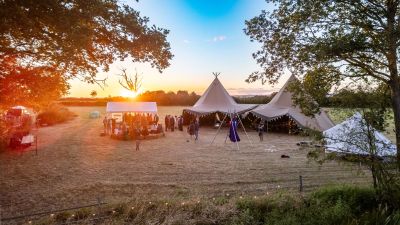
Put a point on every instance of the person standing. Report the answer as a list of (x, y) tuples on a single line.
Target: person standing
[(113, 124), (196, 129), (137, 136), (172, 123), (260, 130), (166, 122), (105, 124), (180, 123)]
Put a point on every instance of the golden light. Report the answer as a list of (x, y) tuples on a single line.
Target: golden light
[(128, 94)]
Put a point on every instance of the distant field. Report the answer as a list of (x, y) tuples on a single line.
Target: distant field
[(338, 115)]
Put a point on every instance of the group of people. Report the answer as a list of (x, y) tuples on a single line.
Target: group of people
[(173, 122), (176, 122), (133, 125)]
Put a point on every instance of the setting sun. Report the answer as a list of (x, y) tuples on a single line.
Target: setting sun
[(128, 94)]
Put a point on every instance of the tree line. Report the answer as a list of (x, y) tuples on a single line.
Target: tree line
[(170, 98)]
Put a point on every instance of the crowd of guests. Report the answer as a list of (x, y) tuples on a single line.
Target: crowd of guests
[(139, 125), (176, 122), (173, 122), (133, 125)]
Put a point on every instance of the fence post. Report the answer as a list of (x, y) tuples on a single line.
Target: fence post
[(301, 183)]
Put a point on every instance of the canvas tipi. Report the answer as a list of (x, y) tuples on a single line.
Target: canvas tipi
[(351, 136), (217, 99), (282, 105)]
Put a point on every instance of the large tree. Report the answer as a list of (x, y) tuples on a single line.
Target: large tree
[(33, 87), (350, 39), (77, 38)]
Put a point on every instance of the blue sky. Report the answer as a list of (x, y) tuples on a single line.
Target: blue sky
[(205, 36)]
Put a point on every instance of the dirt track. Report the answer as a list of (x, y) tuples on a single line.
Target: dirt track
[(75, 165)]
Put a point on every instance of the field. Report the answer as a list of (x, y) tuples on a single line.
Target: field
[(76, 166)]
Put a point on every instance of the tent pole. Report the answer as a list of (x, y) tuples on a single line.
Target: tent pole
[(219, 128), (245, 130)]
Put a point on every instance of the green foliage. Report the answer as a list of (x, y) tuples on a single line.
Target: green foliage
[(258, 99), (300, 36), (334, 205), (54, 114), (79, 37), (4, 133), (33, 87), (330, 206)]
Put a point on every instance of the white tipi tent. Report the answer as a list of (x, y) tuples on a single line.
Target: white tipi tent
[(217, 99), (351, 136), (282, 105)]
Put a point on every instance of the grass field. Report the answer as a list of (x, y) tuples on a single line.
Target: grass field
[(76, 166)]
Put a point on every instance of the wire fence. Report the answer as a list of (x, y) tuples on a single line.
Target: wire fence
[(289, 182)]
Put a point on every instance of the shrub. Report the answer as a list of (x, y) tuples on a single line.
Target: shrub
[(54, 114)]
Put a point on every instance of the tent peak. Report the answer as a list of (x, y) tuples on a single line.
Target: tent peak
[(216, 74)]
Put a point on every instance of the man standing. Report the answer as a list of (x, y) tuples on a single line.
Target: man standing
[(196, 129), (166, 122), (260, 130), (105, 125), (172, 123)]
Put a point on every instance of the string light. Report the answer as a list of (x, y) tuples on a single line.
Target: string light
[(51, 215)]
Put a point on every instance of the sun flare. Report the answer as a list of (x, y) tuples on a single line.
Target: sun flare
[(128, 94)]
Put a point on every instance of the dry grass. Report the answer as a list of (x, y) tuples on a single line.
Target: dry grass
[(75, 166)]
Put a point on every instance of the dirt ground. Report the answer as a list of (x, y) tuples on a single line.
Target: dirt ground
[(76, 166)]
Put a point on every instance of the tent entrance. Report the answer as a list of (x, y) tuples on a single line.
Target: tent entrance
[(283, 124)]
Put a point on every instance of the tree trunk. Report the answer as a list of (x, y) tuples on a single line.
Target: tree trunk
[(396, 111)]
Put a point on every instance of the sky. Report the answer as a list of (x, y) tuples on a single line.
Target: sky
[(206, 36)]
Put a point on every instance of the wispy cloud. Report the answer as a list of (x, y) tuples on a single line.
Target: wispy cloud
[(219, 38), (186, 41)]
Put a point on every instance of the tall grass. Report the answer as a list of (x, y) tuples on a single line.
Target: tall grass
[(335, 205)]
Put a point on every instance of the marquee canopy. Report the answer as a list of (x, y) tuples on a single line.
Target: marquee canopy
[(217, 99), (351, 136), (282, 105), (135, 107)]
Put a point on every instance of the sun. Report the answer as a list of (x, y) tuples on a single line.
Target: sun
[(128, 94)]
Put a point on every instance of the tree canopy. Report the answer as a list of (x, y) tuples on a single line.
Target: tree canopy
[(349, 40), (77, 38)]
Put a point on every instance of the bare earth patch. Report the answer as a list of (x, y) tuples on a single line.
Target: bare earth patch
[(75, 166)]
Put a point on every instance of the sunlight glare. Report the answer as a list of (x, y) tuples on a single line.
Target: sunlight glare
[(128, 94)]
